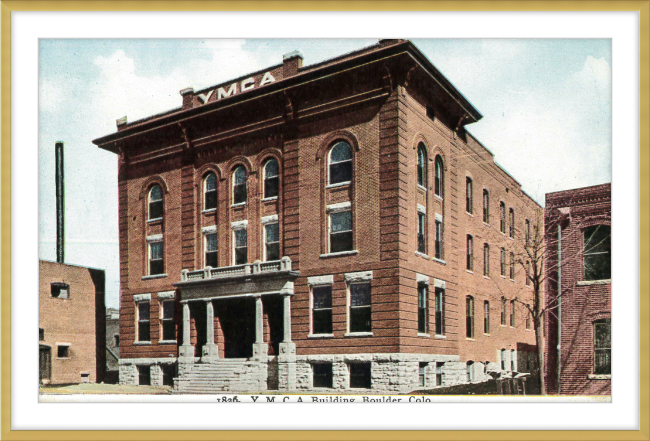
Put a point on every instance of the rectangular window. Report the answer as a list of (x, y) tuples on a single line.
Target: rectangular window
[(60, 290), (169, 372), (440, 311), (117, 340), (469, 301), (439, 254), (470, 253), (486, 317), (528, 273), (513, 359), (512, 266), (340, 231), (602, 347), (422, 377), (144, 375), (503, 311), (41, 334), (211, 250), (512, 313), (486, 260), (423, 308), (503, 359), (241, 246), (527, 232), (529, 317), (502, 220), (167, 325), (360, 310), (322, 375), (486, 206), (63, 351), (360, 375), (468, 195), (512, 222), (439, 373), (597, 252), (322, 310), (421, 232), (272, 237), (144, 324), (156, 259)]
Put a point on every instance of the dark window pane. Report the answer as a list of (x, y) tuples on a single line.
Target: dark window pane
[(341, 242), (360, 294), (62, 351), (168, 309), (360, 375), (273, 251), (271, 187), (322, 321), (360, 319), (241, 256), (156, 193), (241, 238), (144, 375), (341, 172), (240, 175), (169, 330), (143, 331), (422, 163), (271, 169), (155, 210), (322, 297), (212, 259), (341, 221), (272, 233), (210, 200), (143, 311), (340, 152), (439, 176), (41, 334), (169, 372), (156, 267), (322, 375), (603, 334), (239, 193), (597, 252), (422, 320), (440, 319)]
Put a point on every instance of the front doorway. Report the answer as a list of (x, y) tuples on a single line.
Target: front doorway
[(44, 363), (237, 318)]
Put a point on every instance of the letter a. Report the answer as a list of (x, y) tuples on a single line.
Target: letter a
[(267, 78)]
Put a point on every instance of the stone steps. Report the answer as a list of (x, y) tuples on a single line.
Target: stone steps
[(221, 376)]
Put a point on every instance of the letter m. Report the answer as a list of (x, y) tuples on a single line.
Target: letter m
[(221, 93), (270, 399)]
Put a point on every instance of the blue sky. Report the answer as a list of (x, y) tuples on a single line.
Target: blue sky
[(546, 106)]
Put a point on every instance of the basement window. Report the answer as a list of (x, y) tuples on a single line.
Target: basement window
[(422, 374), (63, 351), (144, 375), (169, 373), (322, 375), (360, 375), (60, 290), (41, 334)]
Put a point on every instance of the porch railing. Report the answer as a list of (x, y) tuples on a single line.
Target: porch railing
[(256, 267)]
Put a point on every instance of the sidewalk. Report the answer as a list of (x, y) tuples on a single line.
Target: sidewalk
[(92, 388)]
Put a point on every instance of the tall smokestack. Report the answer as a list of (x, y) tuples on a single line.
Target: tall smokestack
[(60, 203)]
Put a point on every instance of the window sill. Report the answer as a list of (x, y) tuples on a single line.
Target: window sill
[(239, 205), (209, 210), (153, 221), (435, 259), (358, 334), (470, 339), (340, 253), (420, 334), (420, 187), (320, 336), (141, 343), (440, 337), (503, 277), (272, 198), (417, 253), (599, 377), (437, 196), (63, 358), (487, 334), (469, 214), (486, 224), (469, 271), (338, 184), (167, 342), (594, 282), (487, 277), (155, 276)]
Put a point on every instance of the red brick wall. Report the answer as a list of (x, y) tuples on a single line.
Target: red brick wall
[(78, 320)]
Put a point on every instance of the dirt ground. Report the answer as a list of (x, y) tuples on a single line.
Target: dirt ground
[(92, 388)]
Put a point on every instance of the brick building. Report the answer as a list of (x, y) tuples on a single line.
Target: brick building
[(320, 226), (578, 224), (71, 323)]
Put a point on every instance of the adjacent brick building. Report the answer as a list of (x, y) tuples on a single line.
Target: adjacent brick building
[(578, 230), (318, 226), (71, 323)]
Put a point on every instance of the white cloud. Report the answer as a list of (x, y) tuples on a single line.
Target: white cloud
[(51, 94)]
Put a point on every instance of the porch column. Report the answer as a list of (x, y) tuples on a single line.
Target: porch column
[(260, 349), (186, 351), (287, 319), (210, 350)]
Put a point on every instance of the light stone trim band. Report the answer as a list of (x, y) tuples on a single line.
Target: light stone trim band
[(167, 295), (142, 297), (239, 224), (422, 209), (439, 217), (439, 283), (210, 229), (161, 360), (358, 276), (339, 207), (155, 238), (420, 278), (269, 219), (320, 280)]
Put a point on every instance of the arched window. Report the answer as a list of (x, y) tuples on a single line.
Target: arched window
[(439, 179), (156, 202), (422, 165), (486, 206), (239, 186), (469, 206), (210, 192), (340, 163), (271, 179)]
